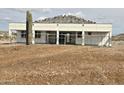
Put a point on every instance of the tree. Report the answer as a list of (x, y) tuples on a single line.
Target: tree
[(28, 28)]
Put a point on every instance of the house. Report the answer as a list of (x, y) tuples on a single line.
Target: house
[(65, 33)]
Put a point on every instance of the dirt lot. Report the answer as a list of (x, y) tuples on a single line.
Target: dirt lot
[(51, 64)]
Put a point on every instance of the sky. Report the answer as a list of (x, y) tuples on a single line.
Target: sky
[(99, 15)]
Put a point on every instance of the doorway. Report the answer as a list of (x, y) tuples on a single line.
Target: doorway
[(67, 37)]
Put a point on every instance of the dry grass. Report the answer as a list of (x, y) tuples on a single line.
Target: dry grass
[(51, 64)]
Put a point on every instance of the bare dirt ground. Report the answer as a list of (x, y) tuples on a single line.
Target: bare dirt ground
[(51, 64)]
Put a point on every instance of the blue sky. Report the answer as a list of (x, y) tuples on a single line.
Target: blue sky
[(100, 15)]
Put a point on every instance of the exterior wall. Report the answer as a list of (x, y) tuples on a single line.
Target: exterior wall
[(19, 39), (98, 27), (101, 33), (96, 38), (70, 27), (41, 40), (44, 27), (78, 41), (64, 27), (17, 26)]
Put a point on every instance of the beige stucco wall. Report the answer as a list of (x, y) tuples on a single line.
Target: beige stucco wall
[(19, 39), (64, 27), (17, 26), (96, 38), (98, 27), (104, 30)]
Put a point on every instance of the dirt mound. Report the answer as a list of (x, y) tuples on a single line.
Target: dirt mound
[(51, 64)]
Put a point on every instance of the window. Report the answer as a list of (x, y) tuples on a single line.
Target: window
[(23, 34), (79, 34), (37, 34), (89, 33)]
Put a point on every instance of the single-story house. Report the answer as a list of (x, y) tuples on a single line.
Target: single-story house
[(98, 34)]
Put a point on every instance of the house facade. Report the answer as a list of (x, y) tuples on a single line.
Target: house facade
[(55, 33)]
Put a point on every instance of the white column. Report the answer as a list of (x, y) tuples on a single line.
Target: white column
[(57, 35), (83, 35), (33, 34), (10, 35), (57, 38), (76, 38), (110, 38)]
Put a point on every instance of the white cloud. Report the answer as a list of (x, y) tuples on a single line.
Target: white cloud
[(46, 10), (40, 18), (6, 19), (23, 10), (78, 14)]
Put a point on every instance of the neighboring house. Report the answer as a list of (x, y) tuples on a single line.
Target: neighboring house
[(65, 33)]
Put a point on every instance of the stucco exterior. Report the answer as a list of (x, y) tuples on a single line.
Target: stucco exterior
[(101, 33)]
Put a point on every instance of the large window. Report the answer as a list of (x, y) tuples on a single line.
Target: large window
[(37, 34), (23, 34)]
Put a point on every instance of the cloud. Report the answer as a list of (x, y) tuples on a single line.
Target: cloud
[(46, 10), (41, 18), (78, 14), (6, 19), (23, 10)]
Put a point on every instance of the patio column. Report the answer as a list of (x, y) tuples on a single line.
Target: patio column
[(33, 35), (110, 38), (57, 35), (76, 41), (57, 38), (10, 35), (83, 35)]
